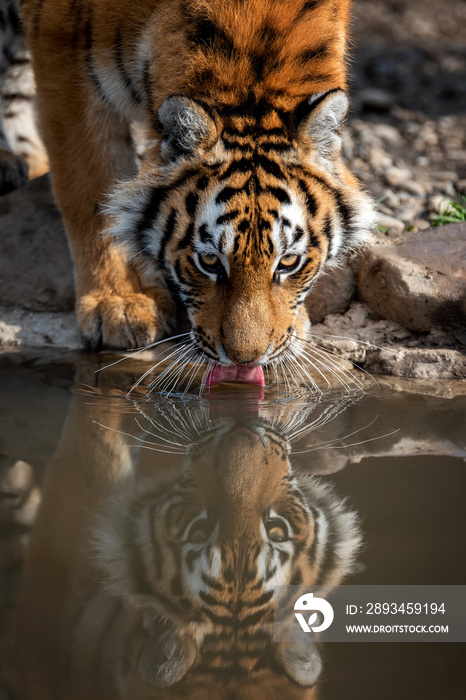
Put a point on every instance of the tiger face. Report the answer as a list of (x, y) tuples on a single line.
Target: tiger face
[(201, 556), (239, 209)]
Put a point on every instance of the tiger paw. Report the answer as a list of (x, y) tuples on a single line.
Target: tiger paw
[(13, 171), (124, 321)]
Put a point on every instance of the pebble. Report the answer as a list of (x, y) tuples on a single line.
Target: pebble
[(448, 189), (406, 215), (390, 199), (390, 223), (416, 188), (440, 204), (404, 163), (387, 133), (379, 159), (396, 176), (461, 186), (443, 176), (376, 99), (421, 224)]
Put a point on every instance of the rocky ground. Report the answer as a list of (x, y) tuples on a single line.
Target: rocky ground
[(403, 303)]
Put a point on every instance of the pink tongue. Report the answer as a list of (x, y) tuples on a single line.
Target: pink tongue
[(244, 375)]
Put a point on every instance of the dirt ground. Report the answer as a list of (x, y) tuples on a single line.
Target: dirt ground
[(415, 50)]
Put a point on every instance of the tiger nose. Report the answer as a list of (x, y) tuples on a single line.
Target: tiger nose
[(242, 356), (246, 329), (242, 351)]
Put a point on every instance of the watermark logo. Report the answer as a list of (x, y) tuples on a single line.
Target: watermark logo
[(308, 603)]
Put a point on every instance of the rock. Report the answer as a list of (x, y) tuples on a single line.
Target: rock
[(331, 294), (390, 199), (419, 283), (419, 363), (376, 99), (43, 329), (407, 214), (386, 348), (443, 176), (421, 224), (416, 188), (387, 133), (379, 159), (461, 186), (396, 176), (440, 204), (390, 223), (36, 271)]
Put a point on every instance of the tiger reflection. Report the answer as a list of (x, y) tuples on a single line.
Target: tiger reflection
[(160, 580)]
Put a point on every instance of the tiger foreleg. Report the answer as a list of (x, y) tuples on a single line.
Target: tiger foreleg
[(90, 147)]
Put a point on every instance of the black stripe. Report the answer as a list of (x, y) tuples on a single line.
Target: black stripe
[(297, 235), (316, 52), (228, 193), (225, 218), (203, 32), (271, 167), (311, 203), (211, 600), (277, 147), (191, 202), (243, 165), (307, 7), (167, 234), (122, 70), (280, 194), (10, 96), (187, 239), (157, 196), (262, 600), (212, 583), (88, 46), (204, 235)]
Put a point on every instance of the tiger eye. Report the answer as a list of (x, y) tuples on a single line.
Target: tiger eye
[(277, 534), (200, 532), (289, 261), (209, 259), (277, 530)]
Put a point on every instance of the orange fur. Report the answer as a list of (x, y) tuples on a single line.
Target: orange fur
[(246, 67)]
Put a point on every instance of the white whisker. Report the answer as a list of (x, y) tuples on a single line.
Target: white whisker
[(136, 351)]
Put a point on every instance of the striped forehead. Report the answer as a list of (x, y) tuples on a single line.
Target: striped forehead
[(225, 227)]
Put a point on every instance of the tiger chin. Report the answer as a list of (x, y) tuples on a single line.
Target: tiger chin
[(242, 198), (200, 557)]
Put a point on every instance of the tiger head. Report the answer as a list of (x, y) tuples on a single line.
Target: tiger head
[(239, 209), (201, 554)]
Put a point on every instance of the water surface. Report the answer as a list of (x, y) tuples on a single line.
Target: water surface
[(142, 536)]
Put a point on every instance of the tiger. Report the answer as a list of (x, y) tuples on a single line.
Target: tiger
[(22, 153), (242, 199), (156, 579)]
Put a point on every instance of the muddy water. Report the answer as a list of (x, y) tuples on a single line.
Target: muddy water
[(141, 536)]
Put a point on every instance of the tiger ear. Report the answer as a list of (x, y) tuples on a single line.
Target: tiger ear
[(301, 661), (165, 657), (186, 127), (319, 120)]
